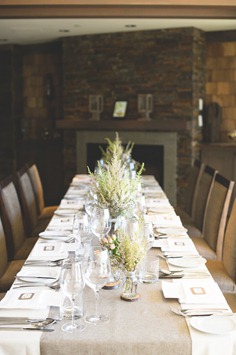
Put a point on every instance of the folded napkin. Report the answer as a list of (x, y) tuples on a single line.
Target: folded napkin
[(163, 220), (48, 250), (61, 222), (212, 344), (23, 343), (30, 298), (178, 245), (157, 202), (201, 292), (72, 204)]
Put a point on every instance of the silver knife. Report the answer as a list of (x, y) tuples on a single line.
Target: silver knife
[(26, 328)]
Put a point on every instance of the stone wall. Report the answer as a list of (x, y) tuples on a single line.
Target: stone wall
[(221, 82), (169, 64)]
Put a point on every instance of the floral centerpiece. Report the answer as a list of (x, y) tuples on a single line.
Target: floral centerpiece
[(113, 186), (123, 153), (125, 254)]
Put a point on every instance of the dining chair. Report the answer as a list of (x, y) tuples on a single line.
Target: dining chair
[(44, 212), (210, 245), (231, 300), (224, 271), (8, 269), (193, 180), (194, 225), (33, 224), (18, 243)]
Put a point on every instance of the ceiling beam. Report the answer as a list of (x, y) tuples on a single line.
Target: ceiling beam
[(217, 9)]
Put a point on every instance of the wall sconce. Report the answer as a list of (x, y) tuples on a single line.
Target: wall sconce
[(145, 106), (200, 112), (95, 106)]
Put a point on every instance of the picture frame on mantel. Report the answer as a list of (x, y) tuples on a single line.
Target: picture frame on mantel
[(120, 109)]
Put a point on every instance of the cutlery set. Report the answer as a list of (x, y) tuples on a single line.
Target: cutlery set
[(23, 323), (200, 312)]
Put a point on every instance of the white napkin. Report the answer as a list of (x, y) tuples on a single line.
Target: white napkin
[(211, 344), (196, 294), (200, 291), (23, 342), (163, 220), (31, 298), (178, 245), (22, 298), (47, 250), (157, 202), (61, 222), (71, 204)]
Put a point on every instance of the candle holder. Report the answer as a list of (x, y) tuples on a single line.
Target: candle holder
[(95, 106), (145, 106)]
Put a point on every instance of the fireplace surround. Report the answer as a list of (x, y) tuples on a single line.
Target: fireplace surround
[(168, 140)]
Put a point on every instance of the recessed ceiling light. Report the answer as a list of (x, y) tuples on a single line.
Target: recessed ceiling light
[(130, 26)]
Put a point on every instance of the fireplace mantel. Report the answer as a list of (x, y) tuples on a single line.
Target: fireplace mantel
[(163, 125)]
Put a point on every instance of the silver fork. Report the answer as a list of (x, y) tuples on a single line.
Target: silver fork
[(54, 286)]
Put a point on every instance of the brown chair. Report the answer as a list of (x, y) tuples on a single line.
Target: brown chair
[(18, 245), (33, 224), (44, 212), (8, 269), (224, 271), (195, 224), (210, 245), (194, 177)]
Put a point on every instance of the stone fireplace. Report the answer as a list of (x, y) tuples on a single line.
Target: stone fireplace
[(164, 143)]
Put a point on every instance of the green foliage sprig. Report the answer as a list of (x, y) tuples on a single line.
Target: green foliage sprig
[(126, 252), (114, 187)]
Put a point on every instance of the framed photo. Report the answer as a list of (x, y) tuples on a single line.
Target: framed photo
[(120, 109)]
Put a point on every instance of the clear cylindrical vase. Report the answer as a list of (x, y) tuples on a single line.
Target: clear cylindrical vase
[(130, 287)]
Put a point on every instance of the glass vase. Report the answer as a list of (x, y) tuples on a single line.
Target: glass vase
[(130, 287)]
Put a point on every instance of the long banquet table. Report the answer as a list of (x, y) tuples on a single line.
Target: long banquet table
[(146, 327)]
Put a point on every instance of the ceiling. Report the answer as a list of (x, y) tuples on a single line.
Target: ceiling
[(32, 31)]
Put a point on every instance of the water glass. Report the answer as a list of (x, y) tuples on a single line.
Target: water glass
[(149, 270)]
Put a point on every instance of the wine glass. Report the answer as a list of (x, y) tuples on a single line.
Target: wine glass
[(100, 221), (72, 283), (90, 202), (97, 274)]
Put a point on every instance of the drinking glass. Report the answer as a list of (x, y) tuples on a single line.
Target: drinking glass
[(97, 274), (80, 226), (72, 284), (100, 221)]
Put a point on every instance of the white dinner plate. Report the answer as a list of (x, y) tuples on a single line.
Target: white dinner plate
[(54, 235), (214, 324), (190, 262), (65, 212), (42, 275)]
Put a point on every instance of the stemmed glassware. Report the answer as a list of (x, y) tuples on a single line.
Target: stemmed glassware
[(72, 284), (81, 233), (97, 274), (100, 221)]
